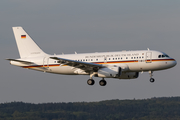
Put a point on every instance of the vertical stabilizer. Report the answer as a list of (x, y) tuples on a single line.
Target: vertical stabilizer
[(26, 46)]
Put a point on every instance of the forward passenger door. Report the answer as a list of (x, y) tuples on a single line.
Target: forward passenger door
[(148, 57)]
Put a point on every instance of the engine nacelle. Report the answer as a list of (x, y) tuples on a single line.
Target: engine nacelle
[(129, 75), (109, 72)]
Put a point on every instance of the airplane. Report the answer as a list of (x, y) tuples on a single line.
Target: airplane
[(119, 65)]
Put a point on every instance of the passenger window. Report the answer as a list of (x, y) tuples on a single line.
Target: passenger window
[(131, 57)]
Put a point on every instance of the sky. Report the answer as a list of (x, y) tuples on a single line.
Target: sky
[(66, 26)]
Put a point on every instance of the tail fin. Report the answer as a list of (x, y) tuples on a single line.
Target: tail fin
[(26, 46)]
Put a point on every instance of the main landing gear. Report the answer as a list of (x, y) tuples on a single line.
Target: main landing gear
[(90, 82), (101, 82), (151, 74)]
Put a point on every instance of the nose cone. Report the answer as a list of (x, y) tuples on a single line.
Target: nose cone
[(174, 63), (168, 64)]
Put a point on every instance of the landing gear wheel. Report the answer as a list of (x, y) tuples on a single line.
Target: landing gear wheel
[(102, 82), (90, 82), (152, 80)]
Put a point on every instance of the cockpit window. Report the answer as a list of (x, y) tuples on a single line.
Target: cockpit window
[(159, 56), (162, 56)]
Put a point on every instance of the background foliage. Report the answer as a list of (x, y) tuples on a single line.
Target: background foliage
[(147, 109)]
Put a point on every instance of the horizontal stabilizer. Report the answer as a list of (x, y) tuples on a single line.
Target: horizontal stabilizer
[(21, 61)]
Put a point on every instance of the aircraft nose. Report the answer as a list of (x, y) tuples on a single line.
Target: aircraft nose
[(169, 64), (173, 63)]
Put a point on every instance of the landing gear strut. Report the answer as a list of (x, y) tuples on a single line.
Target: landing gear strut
[(91, 81), (151, 74)]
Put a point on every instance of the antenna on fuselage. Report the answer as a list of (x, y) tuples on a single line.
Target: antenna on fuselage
[(147, 48)]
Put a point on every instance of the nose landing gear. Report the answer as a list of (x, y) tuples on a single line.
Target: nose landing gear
[(151, 74), (152, 80)]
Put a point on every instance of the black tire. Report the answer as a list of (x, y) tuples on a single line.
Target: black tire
[(90, 82), (102, 82), (152, 80)]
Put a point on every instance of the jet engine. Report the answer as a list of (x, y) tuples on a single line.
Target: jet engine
[(116, 72), (109, 72)]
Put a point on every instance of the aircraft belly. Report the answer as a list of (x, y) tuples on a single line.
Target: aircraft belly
[(57, 70), (63, 70)]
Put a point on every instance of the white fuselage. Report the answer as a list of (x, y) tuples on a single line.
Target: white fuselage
[(129, 61)]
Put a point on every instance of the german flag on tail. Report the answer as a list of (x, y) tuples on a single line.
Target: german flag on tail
[(23, 36)]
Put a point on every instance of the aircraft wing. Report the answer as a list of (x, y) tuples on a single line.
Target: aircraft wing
[(78, 64), (21, 61)]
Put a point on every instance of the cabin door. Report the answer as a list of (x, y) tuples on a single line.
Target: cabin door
[(46, 62), (148, 57)]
